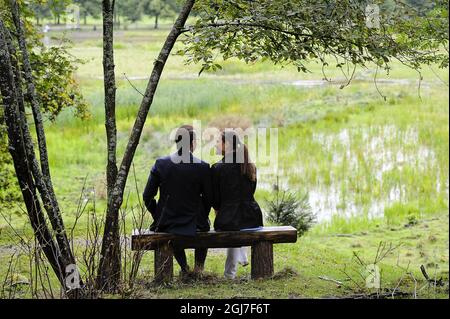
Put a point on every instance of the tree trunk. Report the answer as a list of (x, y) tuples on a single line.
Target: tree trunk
[(85, 18), (17, 149), (53, 211), (109, 270), (110, 252), (156, 21), (110, 93)]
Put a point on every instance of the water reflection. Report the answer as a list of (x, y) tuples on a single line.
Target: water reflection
[(376, 151)]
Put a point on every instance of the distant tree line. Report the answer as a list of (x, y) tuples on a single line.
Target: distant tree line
[(421, 6), (129, 11)]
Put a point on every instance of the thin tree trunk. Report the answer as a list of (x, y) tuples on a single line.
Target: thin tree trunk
[(109, 250), (156, 21), (54, 213), (8, 87), (110, 276), (110, 92)]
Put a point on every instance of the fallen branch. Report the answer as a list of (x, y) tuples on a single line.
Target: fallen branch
[(377, 295), (331, 279), (436, 283)]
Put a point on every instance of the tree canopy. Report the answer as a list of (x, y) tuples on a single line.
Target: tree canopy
[(53, 67), (295, 31)]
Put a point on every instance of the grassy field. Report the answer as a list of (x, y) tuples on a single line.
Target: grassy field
[(375, 170)]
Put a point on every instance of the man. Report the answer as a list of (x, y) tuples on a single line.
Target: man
[(185, 195)]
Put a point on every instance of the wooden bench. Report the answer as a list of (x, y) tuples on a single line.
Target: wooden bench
[(261, 242)]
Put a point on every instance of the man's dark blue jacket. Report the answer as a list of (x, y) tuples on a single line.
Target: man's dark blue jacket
[(185, 195)]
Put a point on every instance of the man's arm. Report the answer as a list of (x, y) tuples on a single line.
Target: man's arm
[(151, 189)]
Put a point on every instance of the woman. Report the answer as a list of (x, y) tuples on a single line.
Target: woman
[(234, 183)]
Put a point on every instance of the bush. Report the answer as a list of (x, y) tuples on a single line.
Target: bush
[(289, 209)]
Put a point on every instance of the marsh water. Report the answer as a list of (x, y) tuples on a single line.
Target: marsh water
[(380, 149)]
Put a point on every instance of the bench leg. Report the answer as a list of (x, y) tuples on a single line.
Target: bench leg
[(163, 263), (262, 260)]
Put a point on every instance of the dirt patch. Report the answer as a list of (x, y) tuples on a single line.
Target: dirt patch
[(287, 272)]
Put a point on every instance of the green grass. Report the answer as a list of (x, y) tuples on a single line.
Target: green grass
[(370, 165), (318, 254)]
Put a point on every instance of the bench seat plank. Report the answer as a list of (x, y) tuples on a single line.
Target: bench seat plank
[(148, 240)]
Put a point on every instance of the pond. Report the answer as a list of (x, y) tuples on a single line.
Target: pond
[(370, 168)]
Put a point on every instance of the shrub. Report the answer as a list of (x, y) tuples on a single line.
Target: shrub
[(290, 209)]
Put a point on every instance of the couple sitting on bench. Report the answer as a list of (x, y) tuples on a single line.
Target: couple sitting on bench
[(188, 188)]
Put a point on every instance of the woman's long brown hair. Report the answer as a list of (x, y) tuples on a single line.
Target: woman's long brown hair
[(247, 169)]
